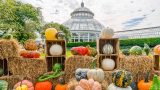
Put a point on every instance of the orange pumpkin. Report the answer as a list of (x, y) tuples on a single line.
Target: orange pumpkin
[(46, 85), (51, 33), (157, 49), (145, 84), (61, 85)]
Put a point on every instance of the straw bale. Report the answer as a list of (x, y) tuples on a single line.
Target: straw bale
[(31, 68), (138, 66), (8, 48), (75, 62)]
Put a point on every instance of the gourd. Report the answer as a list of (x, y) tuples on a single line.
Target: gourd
[(51, 33), (45, 85), (22, 84), (156, 83), (145, 84), (107, 49), (56, 49), (79, 50), (107, 33), (121, 78), (136, 50), (61, 84), (146, 49), (88, 85), (157, 49), (96, 74), (22, 87), (134, 86), (113, 87), (1, 71), (30, 45), (3, 85), (81, 73), (91, 51), (125, 52), (108, 64)]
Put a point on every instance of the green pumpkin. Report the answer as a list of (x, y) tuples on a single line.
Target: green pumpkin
[(136, 50), (121, 78), (1, 72), (3, 85)]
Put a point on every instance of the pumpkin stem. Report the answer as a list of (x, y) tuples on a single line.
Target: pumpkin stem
[(147, 76)]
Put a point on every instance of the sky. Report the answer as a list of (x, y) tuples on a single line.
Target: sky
[(117, 14)]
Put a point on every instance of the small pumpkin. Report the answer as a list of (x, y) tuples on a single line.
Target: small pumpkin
[(30, 45), (22, 87), (81, 73), (125, 52), (121, 78), (29, 85), (107, 49), (51, 33), (136, 50), (146, 49), (156, 83), (107, 33), (114, 87), (46, 85), (79, 50), (157, 49), (3, 85), (134, 86), (108, 64), (56, 49), (145, 84), (96, 74), (61, 84)]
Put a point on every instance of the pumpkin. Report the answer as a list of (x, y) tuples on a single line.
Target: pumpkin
[(134, 86), (145, 84), (22, 87), (30, 45), (121, 78), (46, 85), (156, 83), (81, 73), (96, 74), (88, 85), (79, 50), (51, 33), (61, 85), (107, 33), (56, 49), (136, 50), (146, 49), (91, 51), (108, 64), (1, 71), (29, 54), (24, 82), (157, 49), (114, 87), (125, 52), (107, 49), (3, 85)]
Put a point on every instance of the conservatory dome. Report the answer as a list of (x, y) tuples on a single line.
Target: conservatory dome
[(83, 26)]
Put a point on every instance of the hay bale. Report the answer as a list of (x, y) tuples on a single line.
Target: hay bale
[(75, 62), (8, 48), (137, 65), (31, 68), (12, 80), (108, 76)]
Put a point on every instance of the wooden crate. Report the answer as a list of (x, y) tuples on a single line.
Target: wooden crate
[(156, 62), (4, 66), (51, 60), (102, 56), (114, 42)]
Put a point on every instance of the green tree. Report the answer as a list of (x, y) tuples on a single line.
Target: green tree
[(59, 27), (22, 19)]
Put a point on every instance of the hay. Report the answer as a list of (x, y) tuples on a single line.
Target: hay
[(8, 48), (108, 76), (30, 68), (12, 80), (137, 65), (75, 62)]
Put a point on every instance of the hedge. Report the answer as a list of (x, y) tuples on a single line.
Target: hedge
[(123, 43)]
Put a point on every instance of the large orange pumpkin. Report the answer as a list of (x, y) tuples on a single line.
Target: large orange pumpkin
[(46, 85), (157, 49), (61, 85), (51, 33)]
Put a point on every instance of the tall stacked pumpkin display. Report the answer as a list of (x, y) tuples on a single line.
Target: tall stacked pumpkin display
[(108, 50), (55, 48)]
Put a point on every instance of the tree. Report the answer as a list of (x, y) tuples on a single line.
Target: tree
[(22, 19), (59, 27)]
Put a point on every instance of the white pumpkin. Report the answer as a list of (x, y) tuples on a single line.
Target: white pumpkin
[(107, 33), (96, 74), (56, 50), (107, 49), (108, 64), (113, 87)]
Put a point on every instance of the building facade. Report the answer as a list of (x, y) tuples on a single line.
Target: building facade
[(83, 26)]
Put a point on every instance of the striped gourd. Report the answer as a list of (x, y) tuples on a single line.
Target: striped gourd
[(121, 78), (107, 49)]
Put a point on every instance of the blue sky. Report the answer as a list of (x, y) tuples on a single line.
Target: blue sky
[(117, 14)]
